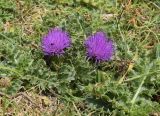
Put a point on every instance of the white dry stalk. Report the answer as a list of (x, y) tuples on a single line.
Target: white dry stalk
[(108, 17)]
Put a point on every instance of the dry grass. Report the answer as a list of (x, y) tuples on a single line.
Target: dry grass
[(28, 103)]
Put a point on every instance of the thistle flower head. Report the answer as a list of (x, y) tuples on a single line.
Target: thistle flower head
[(55, 42), (99, 47)]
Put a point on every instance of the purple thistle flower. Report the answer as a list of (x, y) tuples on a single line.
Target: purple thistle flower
[(55, 42), (99, 47)]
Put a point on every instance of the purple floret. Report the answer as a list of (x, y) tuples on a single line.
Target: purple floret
[(55, 42), (99, 47)]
